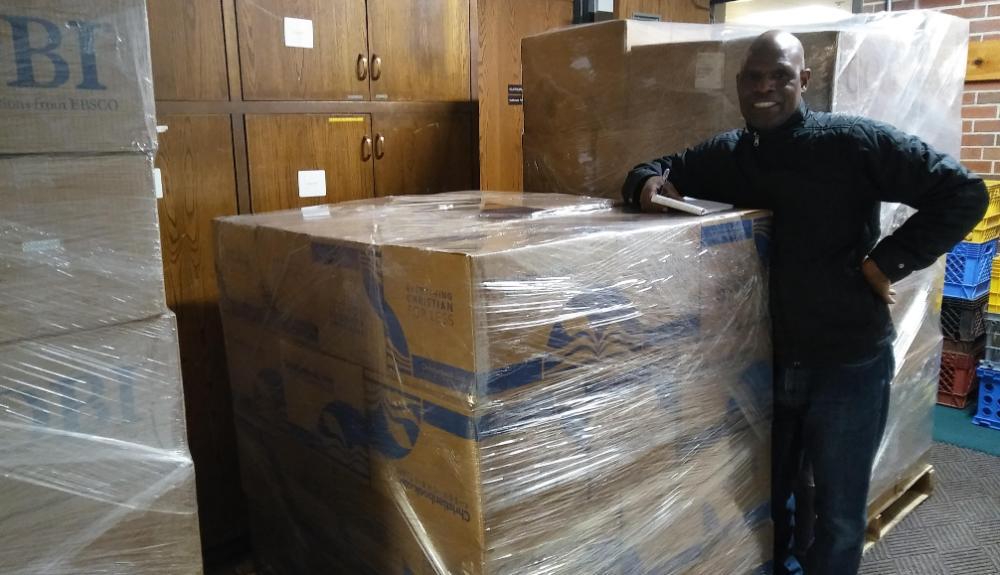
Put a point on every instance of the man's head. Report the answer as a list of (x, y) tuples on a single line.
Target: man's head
[(772, 79)]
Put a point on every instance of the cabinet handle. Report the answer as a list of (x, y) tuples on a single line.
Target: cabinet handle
[(366, 148), (376, 67), (362, 66), (379, 146)]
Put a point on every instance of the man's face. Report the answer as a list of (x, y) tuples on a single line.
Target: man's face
[(770, 86)]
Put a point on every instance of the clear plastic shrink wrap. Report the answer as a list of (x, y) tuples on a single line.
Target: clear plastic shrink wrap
[(616, 94), (95, 473), (500, 384)]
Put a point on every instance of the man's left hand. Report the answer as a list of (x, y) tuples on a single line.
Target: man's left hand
[(877, 281)]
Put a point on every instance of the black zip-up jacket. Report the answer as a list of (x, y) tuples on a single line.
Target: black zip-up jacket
[(824, 176)]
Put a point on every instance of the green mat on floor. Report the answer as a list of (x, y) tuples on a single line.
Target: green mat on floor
[(955, 426)]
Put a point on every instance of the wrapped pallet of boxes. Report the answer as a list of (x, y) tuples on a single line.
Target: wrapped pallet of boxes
[(95, 473), (500, 384), (616, 94)]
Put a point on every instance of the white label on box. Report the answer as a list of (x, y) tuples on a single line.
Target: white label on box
[(709, 68), (161, 129), (298, 33), (158, 183), (315, 212), (312, 183)]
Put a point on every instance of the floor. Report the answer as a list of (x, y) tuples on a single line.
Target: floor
[(957, 530)]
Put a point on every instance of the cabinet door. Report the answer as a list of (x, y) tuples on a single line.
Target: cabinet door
[(196, 168), (420, 49), (303, 49), (301, 160), (502, 25), (419, 152), (189, 50)]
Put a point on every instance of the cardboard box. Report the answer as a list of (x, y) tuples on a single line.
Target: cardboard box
[(75, 77), (94, 467), (620, 93), (504, 362), (79, 244)]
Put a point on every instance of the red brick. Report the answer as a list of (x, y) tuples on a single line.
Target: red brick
[(938, 3), (993, 36), (988, 97), (988, 112), (967, 126), (978, 139), (991, 153), (984, 26), (993, 11), (982, 86), (973, 153), (903, 5), (983, 126), (968, 98), (978, 166), (967, 12)]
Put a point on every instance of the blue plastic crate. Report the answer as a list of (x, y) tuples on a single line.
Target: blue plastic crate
[(967, 270), (988, 414)]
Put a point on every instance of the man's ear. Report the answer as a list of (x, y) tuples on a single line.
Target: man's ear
[(804, 76)]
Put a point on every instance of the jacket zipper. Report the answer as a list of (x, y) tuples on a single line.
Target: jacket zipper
[(756, 140)]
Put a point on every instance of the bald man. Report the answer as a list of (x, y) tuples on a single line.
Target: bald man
[(824, 176)]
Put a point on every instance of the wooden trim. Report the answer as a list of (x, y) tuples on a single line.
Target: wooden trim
[(232, 50), (474, 49), (331, 107), (243, 202), (984, 61)]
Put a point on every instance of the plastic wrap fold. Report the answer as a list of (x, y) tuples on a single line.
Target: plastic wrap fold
[(500, 384), (95, 472)]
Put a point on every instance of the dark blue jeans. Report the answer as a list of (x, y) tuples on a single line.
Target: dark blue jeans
[(832, 419)]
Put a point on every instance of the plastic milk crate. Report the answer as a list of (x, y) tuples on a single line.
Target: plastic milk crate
[(994, 300), (989, 227), (956, 382), (967, 270), (963, 320), (988, 414)]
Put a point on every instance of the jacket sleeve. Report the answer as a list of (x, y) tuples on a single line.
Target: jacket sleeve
[(708, 171), (949, 200)]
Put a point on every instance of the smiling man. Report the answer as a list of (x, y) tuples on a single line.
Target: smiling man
[(824, 176)]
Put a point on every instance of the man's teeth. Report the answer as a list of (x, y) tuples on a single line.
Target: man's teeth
[(764, 104)]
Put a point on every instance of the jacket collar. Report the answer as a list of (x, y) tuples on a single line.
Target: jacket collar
[(794, 121)]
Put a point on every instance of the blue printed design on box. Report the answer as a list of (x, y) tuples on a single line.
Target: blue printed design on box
[(726, 233), (37, 39)]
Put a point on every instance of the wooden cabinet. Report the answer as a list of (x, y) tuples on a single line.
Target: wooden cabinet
[(502, 25), (419, 49), (424, 152), (301, 160), (195, 163), (303, 49), (188, 47)]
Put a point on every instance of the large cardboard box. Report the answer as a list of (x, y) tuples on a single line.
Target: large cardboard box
[(94, 466), (616, 94), (490, 373), (79, 244), (75, 77)]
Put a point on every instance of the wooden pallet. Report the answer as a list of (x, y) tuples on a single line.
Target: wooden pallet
[(896, 502)]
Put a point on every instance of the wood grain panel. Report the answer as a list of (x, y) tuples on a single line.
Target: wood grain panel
[(502, 25), (279, 146), (420, 50), (189, 51), (424, 153), (984, 61), (696, 11), (196, 165), (328, 71)]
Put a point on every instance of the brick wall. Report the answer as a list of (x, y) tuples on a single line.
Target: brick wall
[(981, 101)]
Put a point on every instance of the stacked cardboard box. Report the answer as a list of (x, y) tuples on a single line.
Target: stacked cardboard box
[(491, 384), (95, 475)]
